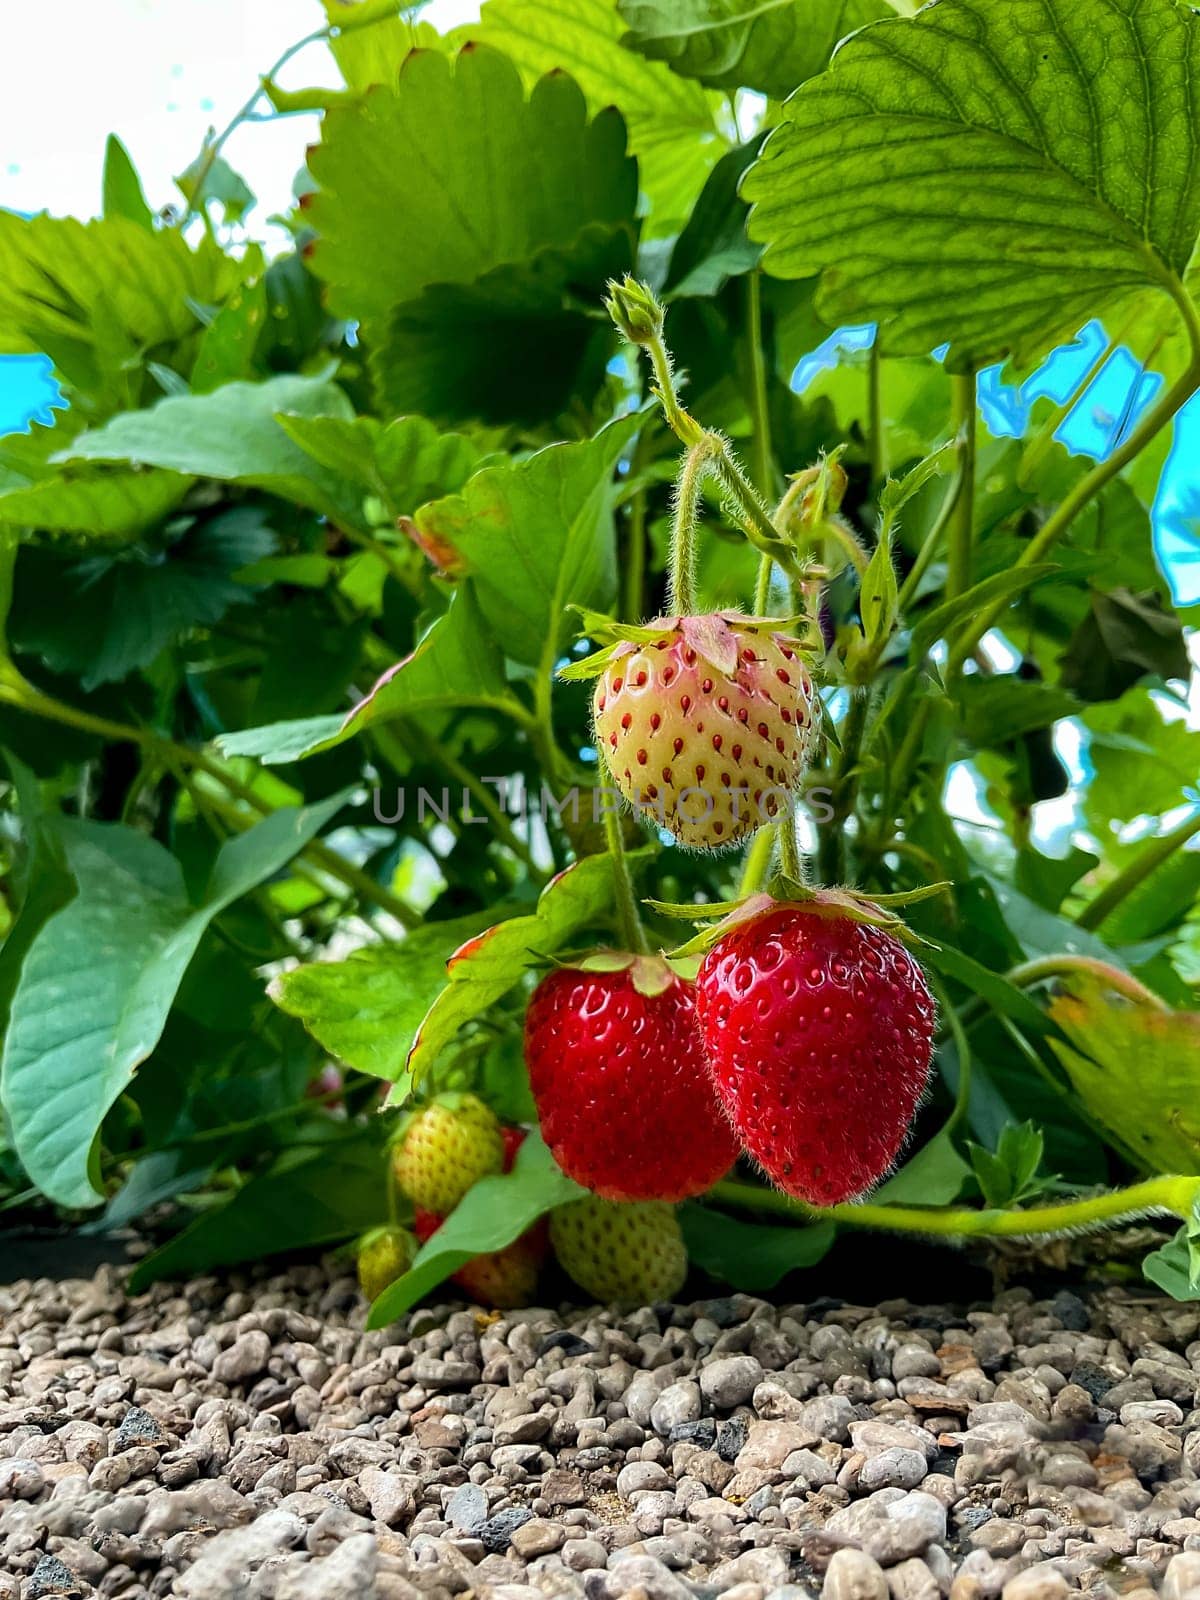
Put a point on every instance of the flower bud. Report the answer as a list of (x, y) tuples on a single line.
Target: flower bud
[(635, 311)]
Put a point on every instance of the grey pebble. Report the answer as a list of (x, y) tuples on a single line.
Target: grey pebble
[(467, 1508), (496, 1533), (730, 1381)]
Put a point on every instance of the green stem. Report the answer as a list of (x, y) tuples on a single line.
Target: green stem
[(965, 416), (758, 862), (1175, 1195), (1086, 490), (931, 543), (31, 700), (629, 923), (877, 440), (760, 416), (681, 572), (843, 789), (762, 586), (244, 112), (1132, 876), (1066, 966), (962, 1096), (755, 518), (790, 859)]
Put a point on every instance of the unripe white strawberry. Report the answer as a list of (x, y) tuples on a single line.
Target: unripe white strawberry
[(707, 728)]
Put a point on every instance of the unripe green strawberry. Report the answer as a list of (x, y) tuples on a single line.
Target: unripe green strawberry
[(628, 1253), (707, 728), (445, 1149), (384, 1255)]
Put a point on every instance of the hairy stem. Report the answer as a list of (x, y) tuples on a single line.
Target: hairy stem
[(681, 573), (1173, 1195)]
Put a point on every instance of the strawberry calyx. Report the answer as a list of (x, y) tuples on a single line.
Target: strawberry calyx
[(650, 975), (714, 636), (725, 915)]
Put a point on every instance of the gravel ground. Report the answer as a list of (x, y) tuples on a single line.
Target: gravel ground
[(245, 1437)]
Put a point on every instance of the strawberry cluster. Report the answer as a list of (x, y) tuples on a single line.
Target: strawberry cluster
[(805, 1041)]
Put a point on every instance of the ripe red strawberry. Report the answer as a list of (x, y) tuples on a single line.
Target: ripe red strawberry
[(618, 1074), (633, 1254), (819, 1033), (707, 728), (502, 1278), (446, 1147)]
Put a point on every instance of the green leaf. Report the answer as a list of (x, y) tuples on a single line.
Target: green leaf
[(210, 178), (366, 1009), (673, 124), (731, 44), (1123, 638), (933, 1177), (102, 618), (998, 709), (897, 492), (1136, 1069), (122, 188), (232, 434), (1141, 763), (1008, 1175), (991, 173), (1175, 1266), (487, 967), (520, 344), (368, 55), (537, 536), (118, 951), (481, 176), (228, 345), (308, 1197), (879, 595), (456, 664), (491, 1215), (95, 296), (713, 247), (752, 1256), (405, 462)]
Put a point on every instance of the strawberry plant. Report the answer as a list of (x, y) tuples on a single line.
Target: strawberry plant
[(595, 690)]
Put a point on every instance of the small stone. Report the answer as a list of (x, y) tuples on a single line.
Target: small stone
[(52, 1577), (1181, 1581), (1087, 1375), (808, 1468), (891, 1525), (768, 1444), (467, 1508), (912, 1580), (896, 1468), (852, 1575), (246, 1357), (702, 1432), (637, 1475), (730, 1381), (1040, 1582), (537, 1538), (496, 1533), (584, 1555), (138, 1427), (21, 1479), (678, 1402), (389, 1496)]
